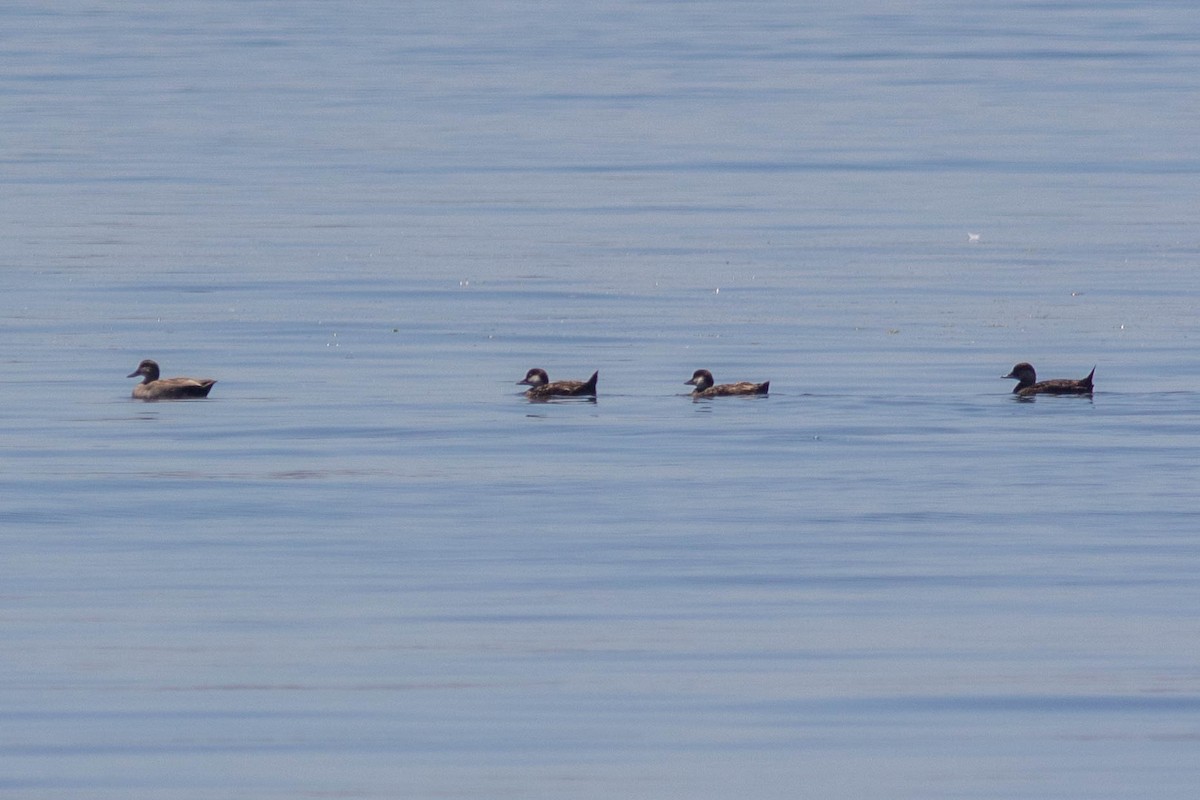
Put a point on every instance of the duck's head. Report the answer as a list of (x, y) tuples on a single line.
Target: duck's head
[(701, 379), (147, 369), (1023, 373), (535, 377)]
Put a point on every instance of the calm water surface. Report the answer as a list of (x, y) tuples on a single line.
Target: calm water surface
[(366, 567)]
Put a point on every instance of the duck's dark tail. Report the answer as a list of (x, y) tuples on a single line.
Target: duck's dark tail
[(763, 387), (590, 386), (1088, 380), (202, 390)]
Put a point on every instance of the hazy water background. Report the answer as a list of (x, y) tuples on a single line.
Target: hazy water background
[(367, 568)]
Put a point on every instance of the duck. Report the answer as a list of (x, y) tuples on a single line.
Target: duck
[(153, 387), (543, 389), (702, 379), (1028, 385)]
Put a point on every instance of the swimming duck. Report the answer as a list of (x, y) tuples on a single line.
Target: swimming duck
[(543, 389), (153, 387), (1028, 386), (702, 379)]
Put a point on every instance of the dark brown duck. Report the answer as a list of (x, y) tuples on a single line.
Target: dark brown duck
[(153, 387), (543, 389), (1028, 385), (702, 379)]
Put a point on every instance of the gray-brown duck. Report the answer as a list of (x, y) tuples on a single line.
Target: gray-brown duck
[(542, 389), (153, 387), (702, 379)]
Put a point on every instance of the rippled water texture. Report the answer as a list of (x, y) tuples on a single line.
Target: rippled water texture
[(367, 567)]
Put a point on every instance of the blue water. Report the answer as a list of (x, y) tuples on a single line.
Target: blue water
[(367, 567)]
